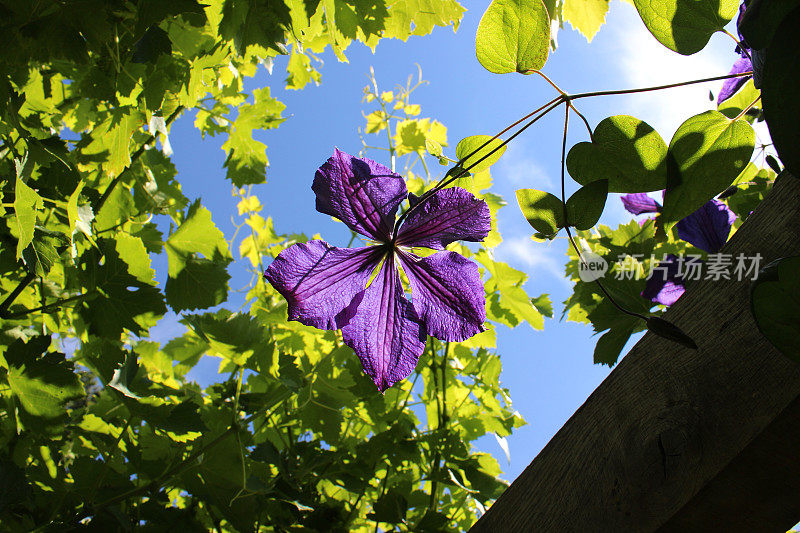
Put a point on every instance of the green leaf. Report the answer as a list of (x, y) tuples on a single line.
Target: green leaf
[(247, 159), (626, 151), (668, 330), (586, 205), (26, 202), (586, 16), (707, 152), (760, 25), (413, 135), (419, 17), (110, 140), (610, 345), (260, 23), (511, 305), (196, 235), (234, 336), (118, 274), (80, 217), (513, 36), (737, 103), (41, 255), (543, 211), (774, 298), (390, 508), (780, 80), (543, 304), (469, 144), (42, 381), (201, 283), (685, 26)]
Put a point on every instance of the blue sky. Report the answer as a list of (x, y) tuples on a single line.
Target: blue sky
[(549, 373)]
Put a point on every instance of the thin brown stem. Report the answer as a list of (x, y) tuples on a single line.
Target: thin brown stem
[(657, 87)]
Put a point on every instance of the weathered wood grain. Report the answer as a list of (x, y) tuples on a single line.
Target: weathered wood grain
[(681, 439)]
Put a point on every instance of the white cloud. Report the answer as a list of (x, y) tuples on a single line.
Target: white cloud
[(517, 167), (643, 61), (534, 258)]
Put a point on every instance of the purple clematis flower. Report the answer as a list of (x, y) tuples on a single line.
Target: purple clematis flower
[(328, 287), (708, 229), (640, 203), (667, 285), (731, 85), (741, 65)]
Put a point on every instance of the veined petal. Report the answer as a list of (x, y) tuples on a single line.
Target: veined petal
[(320, 281), (731, 85), (449, 215), (708, 227), (385, 332), (447, 293), (639, 202), (665, 286), (360, 192)]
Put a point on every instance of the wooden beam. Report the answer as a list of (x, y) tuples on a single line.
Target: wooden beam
[(677, 439)]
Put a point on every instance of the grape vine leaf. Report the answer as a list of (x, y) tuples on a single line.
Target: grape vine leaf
[(260, 23), (247, 159), (513, 36), (196, 235), (624, 150), (118, 275), (418, 17), (610, 345), (200, 284), (468, 144), (685, 26), (707, 152), (26, 202), (41, 381), (586, 16)]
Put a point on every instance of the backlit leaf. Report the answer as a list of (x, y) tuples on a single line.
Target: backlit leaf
[(626, 151), (513, 36), (685, 26), (707, 152)]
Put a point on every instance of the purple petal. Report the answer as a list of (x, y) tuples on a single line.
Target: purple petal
[(708, 227), (447, 293), (449, 215), (360, 192), (732, 85), (320, 281), (385, 332), (665, 287), (638, 203)]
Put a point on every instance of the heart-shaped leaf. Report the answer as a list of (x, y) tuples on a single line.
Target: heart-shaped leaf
[(586, 205), (773, 301), (626, 151), (685, 26), (780, 79), (760, 25), (513, 36), (469, 144), (544, 211), (706, 154)]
